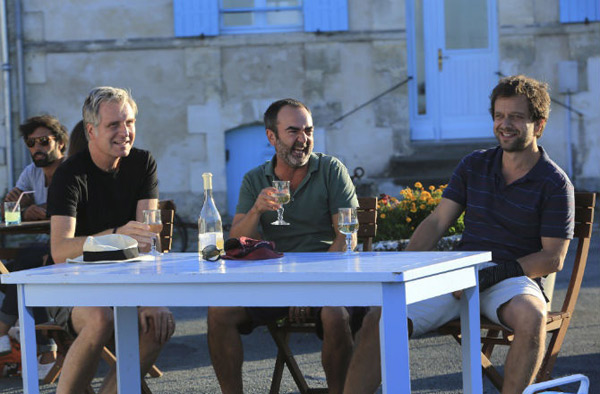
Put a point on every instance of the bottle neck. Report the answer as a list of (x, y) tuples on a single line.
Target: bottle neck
[(207, 194)]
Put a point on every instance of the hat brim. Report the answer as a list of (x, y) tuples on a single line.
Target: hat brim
[(140, 258)]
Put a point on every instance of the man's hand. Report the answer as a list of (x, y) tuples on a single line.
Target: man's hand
[(299, 314), (140, 232), (164, 324), (13, 195), (266, 201), (34, 212)]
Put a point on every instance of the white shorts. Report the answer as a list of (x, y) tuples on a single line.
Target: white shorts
[(428, 315)]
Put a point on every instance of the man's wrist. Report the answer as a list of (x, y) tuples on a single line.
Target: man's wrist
[(491, 275)]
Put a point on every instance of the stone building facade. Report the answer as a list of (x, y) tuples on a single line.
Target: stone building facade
[(194, 90)]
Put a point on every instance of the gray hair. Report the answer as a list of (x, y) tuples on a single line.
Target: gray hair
[(103, 94)]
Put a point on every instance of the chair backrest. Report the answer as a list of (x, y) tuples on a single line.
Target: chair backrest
[(584, 220), (167, 214), (367, 220)]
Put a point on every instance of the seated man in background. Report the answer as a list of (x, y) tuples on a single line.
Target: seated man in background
[(46, 140), (104, 190), (519, 205), (319, 185)]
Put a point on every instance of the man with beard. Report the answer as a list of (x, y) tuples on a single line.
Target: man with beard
[(319, 185), (47, 141), (519, 205)]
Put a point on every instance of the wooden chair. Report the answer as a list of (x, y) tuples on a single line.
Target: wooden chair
[(64, 340), (281, 330), (167, 214), (557, 322)]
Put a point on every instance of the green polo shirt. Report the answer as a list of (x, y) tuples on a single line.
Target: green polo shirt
[(325, 188)]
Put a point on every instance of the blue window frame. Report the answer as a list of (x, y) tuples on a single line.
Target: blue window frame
[(214, 17), (578, 11)]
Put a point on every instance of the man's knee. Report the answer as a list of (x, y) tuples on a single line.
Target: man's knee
[(525, 314), (98, 322), (371, 320), (335, 319), (223, 317)]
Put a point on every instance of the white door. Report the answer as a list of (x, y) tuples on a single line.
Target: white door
[(453, 59)]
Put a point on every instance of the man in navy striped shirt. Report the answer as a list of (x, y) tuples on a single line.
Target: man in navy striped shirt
[(519, 205)]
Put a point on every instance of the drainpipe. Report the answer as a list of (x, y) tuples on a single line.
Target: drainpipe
[(6, 68), (21, 74)]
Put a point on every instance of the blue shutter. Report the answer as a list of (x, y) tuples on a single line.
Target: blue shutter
[(325, 15), (572, 11), (196, 17)]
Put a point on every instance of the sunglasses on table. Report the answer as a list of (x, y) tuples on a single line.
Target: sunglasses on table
[(43, 141)]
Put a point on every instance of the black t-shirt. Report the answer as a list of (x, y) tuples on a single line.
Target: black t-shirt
[(101, 200)]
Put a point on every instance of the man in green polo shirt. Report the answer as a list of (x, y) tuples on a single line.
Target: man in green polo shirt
[(319, 185)]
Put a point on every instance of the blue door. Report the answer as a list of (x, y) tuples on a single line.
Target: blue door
[(246, 148)]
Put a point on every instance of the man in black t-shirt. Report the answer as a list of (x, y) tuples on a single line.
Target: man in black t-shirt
[(102, 190)]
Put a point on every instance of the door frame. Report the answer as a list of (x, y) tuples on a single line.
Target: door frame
[(428, 127)]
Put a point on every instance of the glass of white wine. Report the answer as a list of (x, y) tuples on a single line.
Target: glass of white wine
[(152, 219), (282, 195), (348, 225)]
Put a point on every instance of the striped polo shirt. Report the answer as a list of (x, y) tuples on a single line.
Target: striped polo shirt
[(509, 220)]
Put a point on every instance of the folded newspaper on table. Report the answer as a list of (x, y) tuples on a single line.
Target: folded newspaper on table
[(112, 248)]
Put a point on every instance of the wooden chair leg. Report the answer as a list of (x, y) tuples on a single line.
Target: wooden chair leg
[(490, 371), (155, 372), (277, 373), (290, 361)]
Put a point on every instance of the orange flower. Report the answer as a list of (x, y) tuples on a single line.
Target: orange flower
[(382, 216), (408, 219), (431, 187), (422, 206), (418, 185)]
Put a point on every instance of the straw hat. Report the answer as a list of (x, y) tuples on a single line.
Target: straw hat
[(112, 248)]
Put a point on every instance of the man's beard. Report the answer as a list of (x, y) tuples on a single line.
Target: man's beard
[(517, 145), (286, 154), (41, 159)]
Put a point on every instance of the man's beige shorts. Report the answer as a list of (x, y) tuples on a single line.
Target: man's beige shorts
[(430, 314)]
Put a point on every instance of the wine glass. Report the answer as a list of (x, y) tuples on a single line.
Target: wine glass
[(348, 225), (282, 195), (152, 219)]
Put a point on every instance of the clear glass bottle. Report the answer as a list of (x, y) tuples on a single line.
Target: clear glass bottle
[(210, 227)]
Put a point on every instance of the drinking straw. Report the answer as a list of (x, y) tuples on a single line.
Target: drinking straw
[(19, 200)]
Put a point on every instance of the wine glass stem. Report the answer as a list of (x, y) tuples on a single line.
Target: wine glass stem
[(348, 243), (153, 250), (280, 215)]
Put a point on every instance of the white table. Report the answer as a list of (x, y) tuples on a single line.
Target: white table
[(389, 279)]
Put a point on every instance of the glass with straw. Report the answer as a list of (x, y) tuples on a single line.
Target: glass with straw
[(12, 210)]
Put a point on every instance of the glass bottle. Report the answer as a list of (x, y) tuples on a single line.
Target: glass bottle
[(210, 227)]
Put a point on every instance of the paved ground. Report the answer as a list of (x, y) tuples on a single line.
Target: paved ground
[(435, 361)]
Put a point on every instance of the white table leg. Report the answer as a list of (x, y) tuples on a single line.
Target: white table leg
[(470, 329), (128, 350), (393, 334), (28, 345)]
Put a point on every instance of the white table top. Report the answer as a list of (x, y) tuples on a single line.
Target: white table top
[(305, 267)]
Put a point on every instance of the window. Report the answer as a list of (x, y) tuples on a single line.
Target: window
[(247, 16), (578, 11), (214, 17)]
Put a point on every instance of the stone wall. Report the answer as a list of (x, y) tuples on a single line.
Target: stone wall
[(191, 91)]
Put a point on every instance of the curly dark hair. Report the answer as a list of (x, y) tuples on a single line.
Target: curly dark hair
[(271, 113), (59, 131), (535, 91)]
